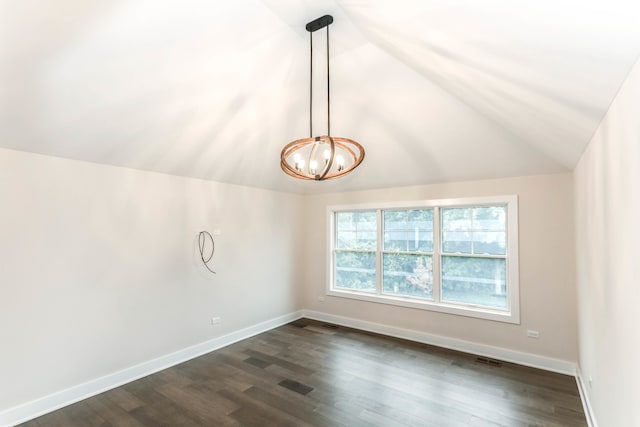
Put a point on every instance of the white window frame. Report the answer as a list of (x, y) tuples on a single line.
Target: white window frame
[(509, 315)]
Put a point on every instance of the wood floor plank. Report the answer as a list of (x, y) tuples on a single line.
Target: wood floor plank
[(301, 408), (79, 414), (207, 408), (277, 360), (111, 413), (255, 412), (123, 399), (309, 373)]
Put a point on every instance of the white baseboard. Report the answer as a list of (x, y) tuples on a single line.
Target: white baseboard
[(586, 404), (46, 404), (521, 358)]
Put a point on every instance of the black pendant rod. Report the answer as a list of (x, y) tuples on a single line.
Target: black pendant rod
[(328, 92), (310, 84), (315, 25)]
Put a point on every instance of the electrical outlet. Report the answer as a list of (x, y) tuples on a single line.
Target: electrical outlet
[(216, 320), (533, 334), (320, 298), (216, 232)]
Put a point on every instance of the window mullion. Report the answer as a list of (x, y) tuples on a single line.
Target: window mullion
[(379, 248), (435, 261), (473, 249)]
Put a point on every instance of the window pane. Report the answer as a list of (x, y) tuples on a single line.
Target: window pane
[(366, 220), (490, 242), (421, 241), (356, 270), (421, 219), (346, 239), (356, 230), (456, 219), (474, 280), (395, 220), (477, 230), (395, 240), (408, 230), (343, 219), (456, 242), (408, 275), (490, 218)]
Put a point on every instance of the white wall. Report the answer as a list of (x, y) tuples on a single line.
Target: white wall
[(98, 268), (547, 277), (607, 210)]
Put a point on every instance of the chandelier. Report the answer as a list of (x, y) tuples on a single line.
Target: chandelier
[(323, 157)]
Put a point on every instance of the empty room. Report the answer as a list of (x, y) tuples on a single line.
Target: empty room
[(319, 213)]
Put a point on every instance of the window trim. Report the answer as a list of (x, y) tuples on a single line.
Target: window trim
[(510, 315)]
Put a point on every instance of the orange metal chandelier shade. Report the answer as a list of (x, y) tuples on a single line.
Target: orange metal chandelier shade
[(324, 157)]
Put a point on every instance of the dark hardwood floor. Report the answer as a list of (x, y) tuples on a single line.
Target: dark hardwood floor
[(308, 373)]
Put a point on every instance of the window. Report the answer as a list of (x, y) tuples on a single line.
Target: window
[(407, 253), (355, 251), (456, 256), (473, 256)]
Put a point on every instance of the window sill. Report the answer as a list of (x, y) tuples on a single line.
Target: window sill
[(459, 310)]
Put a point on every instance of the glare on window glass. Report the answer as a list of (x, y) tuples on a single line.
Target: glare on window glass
[(408, 230)]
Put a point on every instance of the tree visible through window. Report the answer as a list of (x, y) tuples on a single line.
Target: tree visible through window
[(474, 255), (355, 251), (407, 264)]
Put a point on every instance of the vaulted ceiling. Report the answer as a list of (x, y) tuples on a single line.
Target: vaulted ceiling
[(436, 90)]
